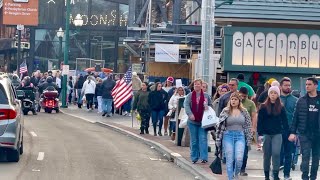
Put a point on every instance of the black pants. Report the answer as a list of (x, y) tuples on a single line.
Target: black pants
[(286, 154), (145, 119), (308, 144), (70, 96), (245, 159), (89, 99)]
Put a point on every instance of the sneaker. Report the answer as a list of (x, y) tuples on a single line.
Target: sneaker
[(243, 174), (281, 167), (287, 178), (125, 113), (129, 114)]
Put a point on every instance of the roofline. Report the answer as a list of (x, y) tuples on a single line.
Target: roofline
[(222, 20)]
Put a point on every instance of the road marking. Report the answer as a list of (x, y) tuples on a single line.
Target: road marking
[(40, 156), (33, 134)]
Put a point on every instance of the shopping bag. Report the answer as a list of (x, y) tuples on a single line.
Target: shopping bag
[(216, 166), (84, 99), (183, 118), (209, 118)]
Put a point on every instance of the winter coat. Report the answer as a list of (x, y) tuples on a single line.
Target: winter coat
[(158, 100), (289, 102), (300, 122), (107, 86), (99, 90), (141, 101), (89, 87)]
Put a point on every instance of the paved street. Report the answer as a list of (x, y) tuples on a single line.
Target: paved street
[(58, 146)]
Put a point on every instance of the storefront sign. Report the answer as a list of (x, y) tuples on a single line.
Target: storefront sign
[(276, 50), (20, 12), (100, 19), (167, 52)]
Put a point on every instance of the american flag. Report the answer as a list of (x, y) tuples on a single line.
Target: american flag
[(23, 67), (122, 91)]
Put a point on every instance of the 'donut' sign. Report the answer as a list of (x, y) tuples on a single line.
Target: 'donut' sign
[(276, 49), (23, 12)]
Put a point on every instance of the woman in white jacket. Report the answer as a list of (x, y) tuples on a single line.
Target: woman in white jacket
[(88, 89), (173, 107)]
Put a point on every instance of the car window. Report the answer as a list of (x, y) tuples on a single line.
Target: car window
[(3, 95)]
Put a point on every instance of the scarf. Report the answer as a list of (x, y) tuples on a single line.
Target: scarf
[(197, 108)]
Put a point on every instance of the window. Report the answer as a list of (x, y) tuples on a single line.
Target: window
[(3, 95)]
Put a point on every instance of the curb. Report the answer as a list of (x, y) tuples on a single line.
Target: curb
[(176, 158)]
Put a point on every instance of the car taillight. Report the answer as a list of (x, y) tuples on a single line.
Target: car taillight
[(7, 114)]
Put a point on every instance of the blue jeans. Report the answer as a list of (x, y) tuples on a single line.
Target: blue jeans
[(172, 126), (234, 145), (107, 105), (79, 96), (198, 142), (157, 116), (127, 106)]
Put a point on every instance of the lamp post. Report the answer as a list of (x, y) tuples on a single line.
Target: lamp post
[(60, 34), (19, 28), (77, 22), (207, 66)]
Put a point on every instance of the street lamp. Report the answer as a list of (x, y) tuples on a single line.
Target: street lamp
[(77, 22), (60, 34)]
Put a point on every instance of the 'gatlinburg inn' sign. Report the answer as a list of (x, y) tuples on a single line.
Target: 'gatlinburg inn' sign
[(276, 50)]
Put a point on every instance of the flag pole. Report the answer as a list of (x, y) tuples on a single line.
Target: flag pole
[(132, 93)]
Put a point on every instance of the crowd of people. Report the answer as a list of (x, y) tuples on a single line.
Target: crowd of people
[(272, 116)]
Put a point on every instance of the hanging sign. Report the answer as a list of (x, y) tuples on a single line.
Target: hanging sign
[(167, 52)]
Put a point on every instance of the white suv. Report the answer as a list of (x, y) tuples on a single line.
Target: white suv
[(11, 122)]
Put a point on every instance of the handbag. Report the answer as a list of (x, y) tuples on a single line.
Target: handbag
[(209, 118), (184, 118), (216, 166), (173, 114)]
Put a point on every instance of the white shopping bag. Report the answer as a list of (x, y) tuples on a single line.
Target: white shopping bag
[(183, 118), (209, 118)]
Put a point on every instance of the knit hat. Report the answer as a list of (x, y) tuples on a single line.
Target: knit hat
[(275, 83), (170, 79), (271, 80), (275, 89)]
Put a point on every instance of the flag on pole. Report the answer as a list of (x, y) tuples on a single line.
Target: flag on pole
[(122, 91), (23, 67)]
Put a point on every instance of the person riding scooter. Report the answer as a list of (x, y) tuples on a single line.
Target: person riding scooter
[(48, 99), (29, 91), (47, 84)]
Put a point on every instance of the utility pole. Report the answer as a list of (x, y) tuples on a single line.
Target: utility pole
[(206, 66), (66, 56)]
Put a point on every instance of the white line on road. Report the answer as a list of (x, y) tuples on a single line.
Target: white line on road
[(33, 134), (40, 156)]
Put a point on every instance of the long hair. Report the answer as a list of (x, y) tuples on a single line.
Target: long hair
[(277, 106), (240, 106), (222, 86), (156, 86)]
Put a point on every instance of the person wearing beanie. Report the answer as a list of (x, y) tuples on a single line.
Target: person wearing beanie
[(272, 121), (264, 94)]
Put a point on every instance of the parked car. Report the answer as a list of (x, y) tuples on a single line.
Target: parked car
[(11, 122)]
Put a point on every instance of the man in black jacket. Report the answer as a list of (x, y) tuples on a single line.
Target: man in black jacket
[(107, 86), (306, 120)]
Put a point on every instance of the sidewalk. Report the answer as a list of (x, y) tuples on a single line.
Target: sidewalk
[(163, 144)]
